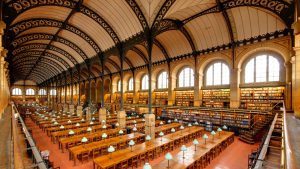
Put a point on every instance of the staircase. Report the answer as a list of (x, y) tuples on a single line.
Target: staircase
[(273, 157), (256, 132)]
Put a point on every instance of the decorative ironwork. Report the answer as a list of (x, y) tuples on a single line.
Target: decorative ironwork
[(139, 14), (140, 53), (162, 12), (108, 60), (161, 47)]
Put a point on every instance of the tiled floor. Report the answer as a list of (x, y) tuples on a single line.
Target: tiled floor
[(234, 157)]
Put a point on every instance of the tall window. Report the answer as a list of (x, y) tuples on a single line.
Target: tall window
[(17, 92), (52, 92), (162, 81), (119, 85), (30, 92), (186, 78), (42, 92), (262, 68), (217, 74), (130, 84), (145, 82)]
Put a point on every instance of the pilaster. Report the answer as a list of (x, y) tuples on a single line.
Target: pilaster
[(234, 88)]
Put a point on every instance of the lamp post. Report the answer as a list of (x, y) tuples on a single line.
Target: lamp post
[(134, 130), (213, 133), (181, 128), (195, 142), (183, 149), (205, 137), (84, 140), (148, 138), (219, 130), (161, 134), (169, 157), (110, 150), (120, 133), (104, 136), (131, 143)]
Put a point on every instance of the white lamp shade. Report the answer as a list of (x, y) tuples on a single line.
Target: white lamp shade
[(143, 120), (195, 142), (69, 115), (82, 119), (84, 140), (168, 156), (213, 132), (104, 135), (89, 129), (129, 117), (71, 132), (62, 127), (134, 121), (103, 121), (219, 129), (56, 123), (205, 136), (173, 130), (158, 117), (110, 149), (134, 129), (131, 143), (69, 121), (196, 123), (109, 116), (46, 118), (176, 120), (189, 125), (121, 132), (117, 125), (181, 127), (169, 121), (104, 126), (58, 117), (148, 137), (161, 123), (91, 122), (224, 127), (161, 133), (93, 118), (77, 124), (183, 148), (147, 166)]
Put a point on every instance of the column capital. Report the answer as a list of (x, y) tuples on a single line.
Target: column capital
[(2, 27)]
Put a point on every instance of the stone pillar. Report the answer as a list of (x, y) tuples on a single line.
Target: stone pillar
[(296, 70), (288, 86), (71, 108), (171, 93), (150, 125), (122, 118), (88, 115), (234, 88), (79, 111), (65, 108), (102, 114), (197, 89)]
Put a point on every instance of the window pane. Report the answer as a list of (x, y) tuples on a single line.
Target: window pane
[(217, 73), (225, 74), (17, 91), (249, 72), (130, 84), (119, 85), (145, 82), (186, 78), (163, 80), (209, 76), (274, 69), (261, 68), (30, 92)]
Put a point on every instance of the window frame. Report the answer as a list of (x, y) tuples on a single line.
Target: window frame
[(42, 93), (119, 85), (128, 82), (51, 92), (142, 82), (27, 93), (157, 80), (205, 74), (177, 78), (17, 93)]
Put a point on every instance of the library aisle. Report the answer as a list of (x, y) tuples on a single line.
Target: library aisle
[(293, 125)]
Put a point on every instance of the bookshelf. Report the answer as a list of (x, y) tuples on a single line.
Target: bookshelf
[(129, 98), (263, 98), (161, 98), (184, 98), (107, 98), (143, 98), (117, 98), (218, 98)]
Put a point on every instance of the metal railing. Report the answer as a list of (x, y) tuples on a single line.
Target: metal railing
[(39, 162)]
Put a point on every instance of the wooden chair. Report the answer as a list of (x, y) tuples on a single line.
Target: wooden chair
[(71, 144), (123, 165), (142, 157), (157, 152), (133, 162), (150, 155), (96, 152), (84, 156)]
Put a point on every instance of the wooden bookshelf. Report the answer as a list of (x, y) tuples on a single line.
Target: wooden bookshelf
[(107, 98), (218, 98), (117, 98), (184, 98), (263, 98), (161, 98), (129, 98), (143, 98)]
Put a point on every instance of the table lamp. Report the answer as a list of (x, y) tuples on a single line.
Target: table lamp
[(134, 130), (82, 120), (91, 123), (196, 123), (84, 140), (168, 157), (181, 128), (110, 150), (143, 120), (103, 121), (93, 118), (148, 138), (104, 126), (213, 133), (129, 117), (120, 132), (219, 130), (117, 124), (225, 127), (195, 142), (89, 129), (175, 120), (77, 125), (161, 134), (147, 166), (183, 149), (56, 123), (69, 115), (104, 136), (62, 127), (158, 118), (131, 143), (69, 121), (71, 132), (169, 121), (161, 123), (205, 137), (46, 118), (134, 121)]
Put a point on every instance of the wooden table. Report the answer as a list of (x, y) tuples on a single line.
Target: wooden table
[(93, 136), (199, 158), (166, 129), (152, 146), (74, 152)]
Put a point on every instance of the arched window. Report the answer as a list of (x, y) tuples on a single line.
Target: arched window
[(262, 68), (130, 84), (162, 80), (217, 74), (145, 82), (186, 78), (119, 85), (42, 92), (16, 92), (52, 92), (30, 92)]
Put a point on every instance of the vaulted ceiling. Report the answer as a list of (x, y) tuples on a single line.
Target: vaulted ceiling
[(48, 37)]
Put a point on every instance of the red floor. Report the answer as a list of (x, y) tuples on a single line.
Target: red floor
[(234, 157)]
